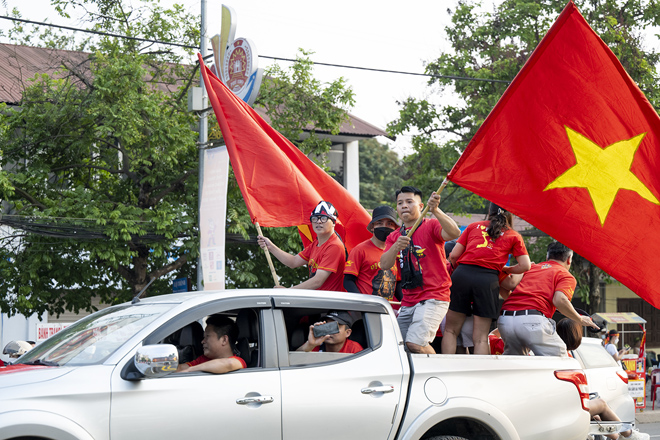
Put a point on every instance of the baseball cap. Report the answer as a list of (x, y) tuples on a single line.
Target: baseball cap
[(346, 318), (380, 213), (325, 209)]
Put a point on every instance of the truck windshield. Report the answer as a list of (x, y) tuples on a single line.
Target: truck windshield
[(94, 338)]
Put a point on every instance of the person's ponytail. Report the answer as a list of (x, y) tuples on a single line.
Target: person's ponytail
[(500, 220)]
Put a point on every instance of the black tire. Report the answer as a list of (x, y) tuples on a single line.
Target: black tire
[(446, 437)]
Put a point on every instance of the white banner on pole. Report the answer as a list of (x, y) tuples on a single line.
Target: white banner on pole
[(213, 214)]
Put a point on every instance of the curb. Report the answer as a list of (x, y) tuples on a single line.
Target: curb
[(647, 417)]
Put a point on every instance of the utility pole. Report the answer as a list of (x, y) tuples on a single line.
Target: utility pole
[(203, 136)]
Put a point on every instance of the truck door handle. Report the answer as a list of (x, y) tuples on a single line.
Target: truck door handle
[(255, 399), (380, 389)]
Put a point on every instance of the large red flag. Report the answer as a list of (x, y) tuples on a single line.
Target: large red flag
[(573, 147), (280, 185)]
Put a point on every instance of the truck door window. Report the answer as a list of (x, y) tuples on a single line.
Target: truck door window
[(298, 322), (188, 339)]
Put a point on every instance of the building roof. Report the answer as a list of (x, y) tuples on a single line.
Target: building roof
[(20, 63)]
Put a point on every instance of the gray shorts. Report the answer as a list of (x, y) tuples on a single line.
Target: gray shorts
[(420, 323), (530, 332)]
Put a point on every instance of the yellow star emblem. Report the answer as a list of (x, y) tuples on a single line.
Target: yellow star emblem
[(603, 171)]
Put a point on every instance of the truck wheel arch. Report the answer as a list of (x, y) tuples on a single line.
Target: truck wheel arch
[(446, 437), (461, 417), (459, 428), (41, 425)]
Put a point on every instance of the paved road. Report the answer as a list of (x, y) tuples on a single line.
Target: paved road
[(650, 428)]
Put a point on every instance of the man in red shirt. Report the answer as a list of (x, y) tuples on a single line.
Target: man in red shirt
[(362, 273), (219, 345), (337, 342), (525, 322), (423, 306), (325, 257)]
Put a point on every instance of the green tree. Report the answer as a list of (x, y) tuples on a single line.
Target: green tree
[(102, 161), (492, 47), (381, 173)]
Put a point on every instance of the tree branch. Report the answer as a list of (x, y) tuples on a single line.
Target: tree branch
[(169, 268), (95, 167), (157, 198), (29, 198)]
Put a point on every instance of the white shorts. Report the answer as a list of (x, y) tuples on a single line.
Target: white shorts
[(420, 323)]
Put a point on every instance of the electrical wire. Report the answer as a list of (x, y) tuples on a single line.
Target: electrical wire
[(186, 46)]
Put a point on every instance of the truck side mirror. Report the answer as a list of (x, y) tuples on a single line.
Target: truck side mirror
[(156, 360)]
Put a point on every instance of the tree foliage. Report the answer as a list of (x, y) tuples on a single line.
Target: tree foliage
[(102, 161), (493, 46), (381, 173)]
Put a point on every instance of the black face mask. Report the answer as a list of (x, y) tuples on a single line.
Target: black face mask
[(382, 233)]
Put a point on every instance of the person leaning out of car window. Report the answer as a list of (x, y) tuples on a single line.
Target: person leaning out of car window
[(219, 346)]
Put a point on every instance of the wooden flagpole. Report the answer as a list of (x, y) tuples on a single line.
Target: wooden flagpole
[(270, 262), (426, 210)]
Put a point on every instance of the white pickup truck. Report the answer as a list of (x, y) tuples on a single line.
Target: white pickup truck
[(90, 382)]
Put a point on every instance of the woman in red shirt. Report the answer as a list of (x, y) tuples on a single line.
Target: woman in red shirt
[(481, 253)]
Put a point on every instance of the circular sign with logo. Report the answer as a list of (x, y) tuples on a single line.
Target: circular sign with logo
[(238, 64)]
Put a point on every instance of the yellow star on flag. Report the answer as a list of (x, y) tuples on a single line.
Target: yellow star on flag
[(603, 171)]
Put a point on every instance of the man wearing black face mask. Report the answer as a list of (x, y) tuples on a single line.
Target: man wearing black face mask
[(363, 273)]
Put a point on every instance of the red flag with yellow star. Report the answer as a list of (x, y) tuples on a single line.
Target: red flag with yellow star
[(573, 147)]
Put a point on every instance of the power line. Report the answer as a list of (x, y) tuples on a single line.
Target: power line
[(343, 66), (107, 34)]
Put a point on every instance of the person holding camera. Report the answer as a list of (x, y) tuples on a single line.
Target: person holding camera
[(332, 339), (422, 262)]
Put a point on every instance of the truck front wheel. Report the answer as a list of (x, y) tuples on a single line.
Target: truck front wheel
[(446, 437)]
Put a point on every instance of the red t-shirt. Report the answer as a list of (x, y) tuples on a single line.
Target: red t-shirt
[(364, 262), (538, 287), (430, 248), (202, 359), (349, 347), (330, 256), (481, 250)]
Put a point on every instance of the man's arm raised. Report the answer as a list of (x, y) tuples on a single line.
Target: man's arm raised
[(450, 229)]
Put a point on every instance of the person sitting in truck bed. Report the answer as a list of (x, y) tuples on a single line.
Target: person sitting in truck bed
[(571, 333), (334, 343), (219, 345), (525, 322)]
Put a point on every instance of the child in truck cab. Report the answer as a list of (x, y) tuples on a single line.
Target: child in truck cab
[(336, 342)]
